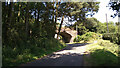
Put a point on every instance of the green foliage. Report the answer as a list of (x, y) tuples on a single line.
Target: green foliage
[(24, 53), (104, 57), (111, 27), (79, 9), (60, 37), (78, 38), (109, 46), (91, 24), (87, 37), (115, 6), (107, 36), (82, 29), (91, 35), (27, 32), (101, 28), (105, 52), (29, 27), (113, 37)]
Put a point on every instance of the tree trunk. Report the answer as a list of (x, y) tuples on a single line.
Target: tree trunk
[(27, 21), (19, 12), (60, 26), (8, 22), (38, 17)]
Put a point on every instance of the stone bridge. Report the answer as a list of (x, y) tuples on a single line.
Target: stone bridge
[(67, 34)]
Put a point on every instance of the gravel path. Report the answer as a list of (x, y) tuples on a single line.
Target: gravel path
[(72, 55)]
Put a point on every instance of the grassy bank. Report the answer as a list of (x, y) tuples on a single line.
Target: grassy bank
[(22, 54), (102, 53)]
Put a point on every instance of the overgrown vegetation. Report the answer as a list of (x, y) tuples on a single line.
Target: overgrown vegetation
[(28, 30), (87, 37), (113, 37), (105, 52), (29, 51)]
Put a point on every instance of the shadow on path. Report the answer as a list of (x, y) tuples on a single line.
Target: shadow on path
[(65, 57), (70, 46), (59, 60)]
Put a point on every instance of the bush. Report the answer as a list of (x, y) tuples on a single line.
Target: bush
[(78, 38), (107, 36), (30, 50), (87, 37), (92, 35), (113, 37)]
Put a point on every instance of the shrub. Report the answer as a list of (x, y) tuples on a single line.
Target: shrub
[(106, 37), (87, 37), (92, 35), (30, 50), (113, 37), (78, 38)]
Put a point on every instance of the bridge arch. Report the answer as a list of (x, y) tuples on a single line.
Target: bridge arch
[(65, 37), (67, 34)]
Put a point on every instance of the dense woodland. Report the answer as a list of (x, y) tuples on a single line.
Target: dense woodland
[(37, 20), (28, 28)]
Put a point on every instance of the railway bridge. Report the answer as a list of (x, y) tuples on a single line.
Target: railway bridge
[(67, 34)]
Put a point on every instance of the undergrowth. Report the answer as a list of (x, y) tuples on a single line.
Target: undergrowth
[(29, 51)]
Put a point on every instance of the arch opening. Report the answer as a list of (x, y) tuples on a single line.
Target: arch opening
[(66, 37)]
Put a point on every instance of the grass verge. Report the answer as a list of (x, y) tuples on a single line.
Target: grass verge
[(102, 53)]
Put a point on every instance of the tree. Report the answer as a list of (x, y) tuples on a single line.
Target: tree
[(91, 24), (77, 11), (101, 28), (111, 27), (27, 20), (115, 6)]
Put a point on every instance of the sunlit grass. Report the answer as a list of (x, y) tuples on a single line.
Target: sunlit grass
[(107, 45), (103, 51)]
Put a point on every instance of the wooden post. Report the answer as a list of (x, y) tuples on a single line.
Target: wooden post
[(107, 24)]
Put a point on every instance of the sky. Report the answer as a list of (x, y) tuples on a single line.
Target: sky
[(103, 10), (101, 14)]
